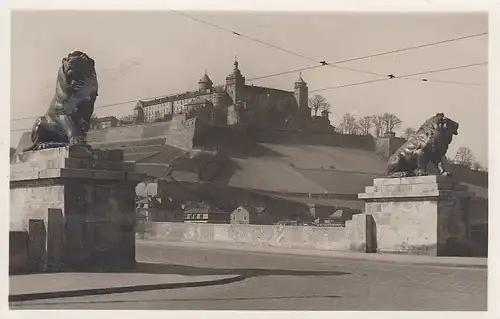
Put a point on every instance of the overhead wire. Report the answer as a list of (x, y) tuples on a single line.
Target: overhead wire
[(405, 76), (338, 86), (321, 63), (297, 70), (324, 62)]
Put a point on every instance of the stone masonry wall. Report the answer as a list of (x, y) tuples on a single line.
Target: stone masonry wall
[(33, 203), (88, 203), (321, 238)]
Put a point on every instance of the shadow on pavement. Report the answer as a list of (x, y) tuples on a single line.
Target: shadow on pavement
[(156, 268), (124, 289)]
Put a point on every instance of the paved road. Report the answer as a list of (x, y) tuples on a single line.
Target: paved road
[(289, 282)]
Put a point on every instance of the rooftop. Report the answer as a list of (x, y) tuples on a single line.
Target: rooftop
[(300, 80), (172, 97), (199, 100), (265, 89), (106, 118), (205, 79)]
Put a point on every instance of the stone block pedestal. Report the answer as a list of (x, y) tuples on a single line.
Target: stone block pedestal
[(79, 211), (421, 215)]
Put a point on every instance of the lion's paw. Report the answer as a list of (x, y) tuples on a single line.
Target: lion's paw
[(420, 173)]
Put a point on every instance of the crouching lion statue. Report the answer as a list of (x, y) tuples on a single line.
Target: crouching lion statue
[(429, 143), (67, 119)]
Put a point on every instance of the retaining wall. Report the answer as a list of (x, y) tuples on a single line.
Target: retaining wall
[(321, 238)]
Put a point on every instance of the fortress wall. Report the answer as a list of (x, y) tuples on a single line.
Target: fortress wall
[(124, 133), (314, 138), (386, 146), (180, 132)]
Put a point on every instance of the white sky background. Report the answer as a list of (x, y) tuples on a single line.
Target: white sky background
[(143, 54)]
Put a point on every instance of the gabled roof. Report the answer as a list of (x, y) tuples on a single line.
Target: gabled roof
[(337, 214), (300, 80), (197, 209), (205, 79)]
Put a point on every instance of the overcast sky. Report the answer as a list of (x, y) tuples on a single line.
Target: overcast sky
[(143, 54)]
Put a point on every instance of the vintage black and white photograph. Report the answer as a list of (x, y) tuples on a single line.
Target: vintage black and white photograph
[(248, 160)]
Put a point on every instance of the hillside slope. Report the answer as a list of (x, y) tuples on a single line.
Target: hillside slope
[(241, 162)]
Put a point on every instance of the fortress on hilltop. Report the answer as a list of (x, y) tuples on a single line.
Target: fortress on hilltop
[(237, 103)]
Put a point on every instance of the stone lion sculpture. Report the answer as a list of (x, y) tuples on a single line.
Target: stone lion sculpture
[(67, 119), (428, 144)]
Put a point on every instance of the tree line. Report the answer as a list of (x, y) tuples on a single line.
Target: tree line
[(381, 125), (465, 157)]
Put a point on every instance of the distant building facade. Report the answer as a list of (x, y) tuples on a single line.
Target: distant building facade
[(106, 122), (234, 103), (240, 216), (251, 215), (141, 208), (205, 214)]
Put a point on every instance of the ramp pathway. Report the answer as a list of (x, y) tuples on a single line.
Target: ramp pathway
[(59, 285)]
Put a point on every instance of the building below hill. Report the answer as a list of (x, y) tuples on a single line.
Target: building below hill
[(105, 122), (205, 213), (248, 214), (237, 103)]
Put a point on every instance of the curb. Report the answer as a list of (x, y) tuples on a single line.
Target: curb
[(433, 264), (316, 253), (124, 289)]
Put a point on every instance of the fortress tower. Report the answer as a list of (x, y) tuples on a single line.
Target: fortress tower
[(235, 83), (301, 93), (139, 116), (205, 83)]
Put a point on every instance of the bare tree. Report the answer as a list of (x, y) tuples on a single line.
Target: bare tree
[(390, 122), (348, 125), (409, 131), (365, 124), (318, 103), (476, 166), (464, 156), (378, 123)]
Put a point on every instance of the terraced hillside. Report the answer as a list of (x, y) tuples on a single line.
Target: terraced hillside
[(233, 158), (305, 169)]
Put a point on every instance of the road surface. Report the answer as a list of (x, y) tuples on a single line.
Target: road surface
[(290, 282)]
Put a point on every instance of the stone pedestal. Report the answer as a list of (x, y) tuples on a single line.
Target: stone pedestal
[(79, 211), (421, 215), (18, 251)]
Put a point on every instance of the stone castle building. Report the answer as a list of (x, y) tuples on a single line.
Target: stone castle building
[(234, 103)]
